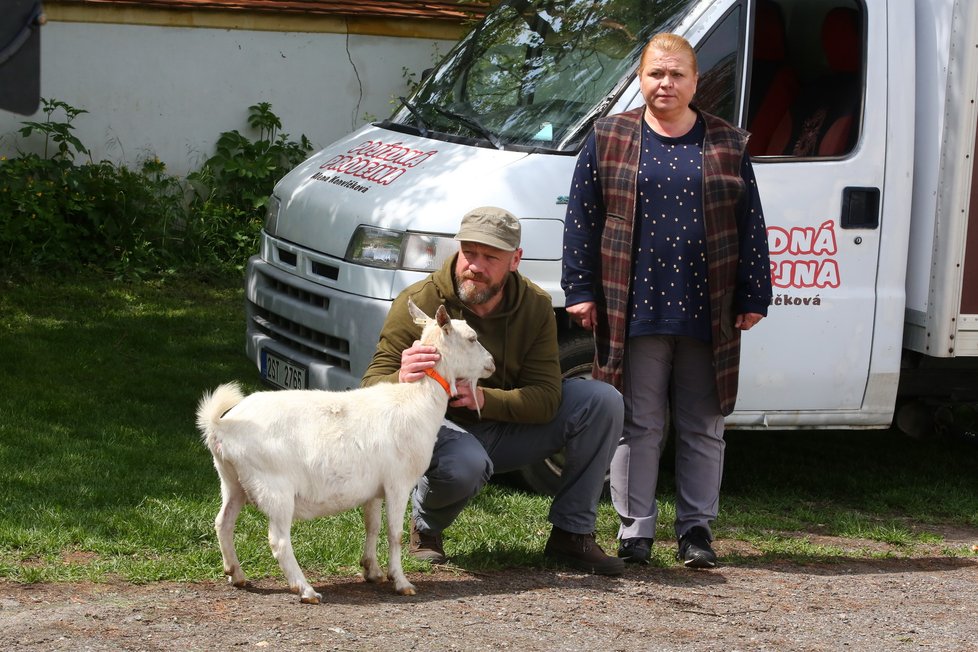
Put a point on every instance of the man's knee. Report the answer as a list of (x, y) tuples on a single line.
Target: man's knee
[(460, 472), (599, 414), (602, 401)]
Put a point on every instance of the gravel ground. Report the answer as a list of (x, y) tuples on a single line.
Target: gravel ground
[(926, 601)]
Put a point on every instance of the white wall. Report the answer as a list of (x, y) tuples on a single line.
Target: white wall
[(170, 91)]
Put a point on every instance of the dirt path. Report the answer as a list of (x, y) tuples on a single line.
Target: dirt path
[(927, 602)]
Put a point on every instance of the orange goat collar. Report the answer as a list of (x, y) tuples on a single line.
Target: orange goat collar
[(441, 381)]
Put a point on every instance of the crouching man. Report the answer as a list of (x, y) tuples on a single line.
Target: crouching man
[(521, 414)]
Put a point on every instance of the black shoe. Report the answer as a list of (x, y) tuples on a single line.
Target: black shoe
[(426, 546), (636, 550), (582, 552), (695, 550)]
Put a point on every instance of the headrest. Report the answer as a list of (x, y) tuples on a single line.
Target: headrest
[(841, 38), (769, 39)]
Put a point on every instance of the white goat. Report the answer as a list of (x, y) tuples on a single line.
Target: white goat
[(300, 454)]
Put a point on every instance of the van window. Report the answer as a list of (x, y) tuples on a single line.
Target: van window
[(537, 73), (716, 57), (806, 78)]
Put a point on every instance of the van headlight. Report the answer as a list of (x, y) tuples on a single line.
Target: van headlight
[(272, 207), (389, 249)]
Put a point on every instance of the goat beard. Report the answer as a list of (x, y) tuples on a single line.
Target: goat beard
[(471, 294), (475, 394)]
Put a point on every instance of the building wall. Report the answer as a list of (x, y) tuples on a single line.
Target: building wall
[(165, 84)]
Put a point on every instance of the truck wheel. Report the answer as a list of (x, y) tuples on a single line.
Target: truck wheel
[(915, 418), (957, 421), (576, 356)]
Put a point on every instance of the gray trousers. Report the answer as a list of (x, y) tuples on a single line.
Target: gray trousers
[(587, 426), (651, 363)]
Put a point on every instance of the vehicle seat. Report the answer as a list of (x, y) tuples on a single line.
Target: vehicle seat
[(774, 82), (823, 121)]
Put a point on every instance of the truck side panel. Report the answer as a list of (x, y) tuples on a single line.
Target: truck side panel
[(967, 335), (969, 286), (941, 319)]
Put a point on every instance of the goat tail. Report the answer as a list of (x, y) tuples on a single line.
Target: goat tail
[(212, 407)]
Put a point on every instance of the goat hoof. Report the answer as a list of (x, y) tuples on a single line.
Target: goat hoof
[(372, 572), (315, 598), (407, 590), (238, 583)]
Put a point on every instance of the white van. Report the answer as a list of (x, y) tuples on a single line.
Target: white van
[(863, 114)]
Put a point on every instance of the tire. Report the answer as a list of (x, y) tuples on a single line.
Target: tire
[(576, 357)]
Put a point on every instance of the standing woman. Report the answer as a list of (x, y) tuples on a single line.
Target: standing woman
[(666, 261)]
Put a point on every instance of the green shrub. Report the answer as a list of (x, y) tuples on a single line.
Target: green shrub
[(58, 214), (59, 132), (243, 172)]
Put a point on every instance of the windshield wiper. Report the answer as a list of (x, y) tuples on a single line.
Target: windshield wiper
[(422, 126), (471, 123)]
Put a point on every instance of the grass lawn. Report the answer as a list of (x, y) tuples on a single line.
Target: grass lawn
[(103, 473)]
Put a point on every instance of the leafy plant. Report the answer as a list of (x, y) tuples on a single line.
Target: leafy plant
[(59, 132), (242, 172), (32, 196), (59, 214)]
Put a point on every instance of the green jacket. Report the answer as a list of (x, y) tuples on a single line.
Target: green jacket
[(521, 335)]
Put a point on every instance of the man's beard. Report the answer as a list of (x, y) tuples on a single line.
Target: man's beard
[(472, 295)]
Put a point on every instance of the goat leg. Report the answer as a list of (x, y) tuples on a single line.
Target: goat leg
[(371, 522), (280, 540), (397, 499), (233, 500)]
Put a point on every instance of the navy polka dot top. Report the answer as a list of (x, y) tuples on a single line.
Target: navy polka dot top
[(669, 293)]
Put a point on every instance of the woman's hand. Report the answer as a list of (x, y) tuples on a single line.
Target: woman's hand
[(583, 314), (746, 320)]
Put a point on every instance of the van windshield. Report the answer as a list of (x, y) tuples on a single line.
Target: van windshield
[(536, 73)]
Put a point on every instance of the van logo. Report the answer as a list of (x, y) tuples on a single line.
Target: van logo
[(374, 162), (804, 257)]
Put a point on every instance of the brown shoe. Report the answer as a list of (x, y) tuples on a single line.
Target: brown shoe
[(582, 552), (426, 546)]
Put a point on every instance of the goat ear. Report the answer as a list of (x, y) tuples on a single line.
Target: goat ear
[(441, 315), (417, 314)]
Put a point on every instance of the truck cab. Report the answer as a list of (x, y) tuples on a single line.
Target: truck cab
[(853, 186)]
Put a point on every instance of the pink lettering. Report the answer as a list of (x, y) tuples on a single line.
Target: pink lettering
[(805, 273), (376, 161)]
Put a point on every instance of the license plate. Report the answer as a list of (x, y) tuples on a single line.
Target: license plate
[(282, 372)]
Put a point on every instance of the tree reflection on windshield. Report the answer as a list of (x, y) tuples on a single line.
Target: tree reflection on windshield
[(537, 73)]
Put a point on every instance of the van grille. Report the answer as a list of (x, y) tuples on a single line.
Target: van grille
[(332, 350), (332, 272), (284, 289)]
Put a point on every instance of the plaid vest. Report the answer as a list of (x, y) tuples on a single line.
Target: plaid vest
[(618, 139)]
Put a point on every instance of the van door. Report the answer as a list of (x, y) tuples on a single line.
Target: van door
[(815, 79)]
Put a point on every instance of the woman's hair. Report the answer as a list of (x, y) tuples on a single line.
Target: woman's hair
[(672, 44)]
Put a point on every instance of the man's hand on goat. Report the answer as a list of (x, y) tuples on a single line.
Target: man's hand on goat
[(415, 360), (468, 396), (418, 358)]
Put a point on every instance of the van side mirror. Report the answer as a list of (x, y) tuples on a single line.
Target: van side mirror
[(20, 55)]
